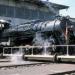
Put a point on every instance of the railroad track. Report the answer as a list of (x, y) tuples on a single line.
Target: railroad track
[(65, 73)]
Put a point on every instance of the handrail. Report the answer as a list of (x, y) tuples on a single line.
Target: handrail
[(40, 46)]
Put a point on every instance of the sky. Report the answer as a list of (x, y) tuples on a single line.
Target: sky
[(71, 3)]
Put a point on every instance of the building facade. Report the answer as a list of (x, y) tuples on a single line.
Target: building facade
[(22, 11)]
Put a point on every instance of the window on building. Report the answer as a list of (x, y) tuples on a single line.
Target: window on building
[(47, 15), (19, 12), (41, 15), (9, 11), (26, 13), (33, 14), (2, 10)]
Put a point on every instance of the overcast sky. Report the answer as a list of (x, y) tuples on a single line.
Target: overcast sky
[(70, 11)]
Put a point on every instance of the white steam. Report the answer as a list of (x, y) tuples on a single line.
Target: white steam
[(41, 41), (16, 57)]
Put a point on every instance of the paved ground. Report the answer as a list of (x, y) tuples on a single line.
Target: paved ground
[(12, 64), (42, 69), (38, 69), (15, 61)]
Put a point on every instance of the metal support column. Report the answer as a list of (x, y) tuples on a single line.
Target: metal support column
[(67, 40), (32, 51), (11, 51), (3, 50)]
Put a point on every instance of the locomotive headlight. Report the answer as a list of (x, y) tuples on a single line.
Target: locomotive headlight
[(1, 25)]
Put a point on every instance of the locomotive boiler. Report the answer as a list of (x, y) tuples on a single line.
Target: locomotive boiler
[(24, 33)]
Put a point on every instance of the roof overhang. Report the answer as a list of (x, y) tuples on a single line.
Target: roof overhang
[(37, 2), (44, 4), (58, 6)]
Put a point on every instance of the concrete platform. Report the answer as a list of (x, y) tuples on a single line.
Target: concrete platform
[(42, 69), (15, 64)]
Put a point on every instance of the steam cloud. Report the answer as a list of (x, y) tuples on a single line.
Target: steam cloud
[(41, 41)]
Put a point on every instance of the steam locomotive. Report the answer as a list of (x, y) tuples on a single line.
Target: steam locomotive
[(60, 29)]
